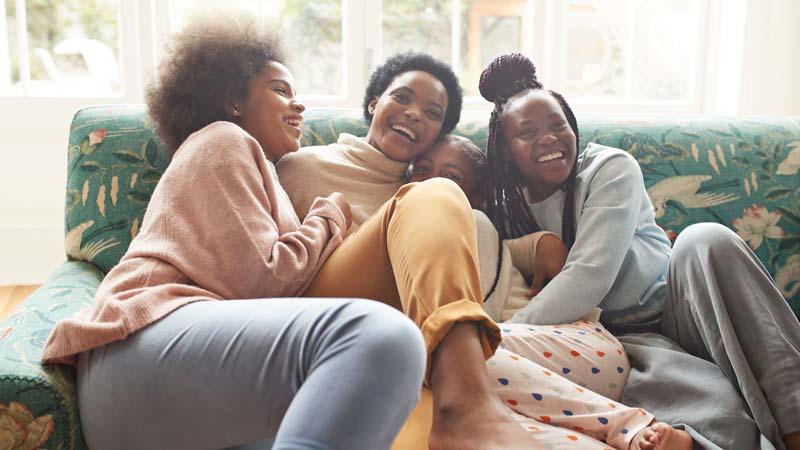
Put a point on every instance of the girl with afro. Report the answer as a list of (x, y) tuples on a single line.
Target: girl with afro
[(196, 339)]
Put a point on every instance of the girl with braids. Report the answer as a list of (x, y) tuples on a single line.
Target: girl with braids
[(709, 293), (583, 388)]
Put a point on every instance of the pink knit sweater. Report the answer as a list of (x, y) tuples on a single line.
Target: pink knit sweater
[(218, 226)]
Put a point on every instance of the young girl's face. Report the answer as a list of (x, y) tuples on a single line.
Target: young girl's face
[(408, 116), (540, 142), (271, 113), (447, 159)]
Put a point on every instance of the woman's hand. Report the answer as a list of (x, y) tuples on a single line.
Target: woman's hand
[(551, 254), (338, 198)]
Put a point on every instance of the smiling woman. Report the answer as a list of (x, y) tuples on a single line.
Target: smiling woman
[(206, 293)]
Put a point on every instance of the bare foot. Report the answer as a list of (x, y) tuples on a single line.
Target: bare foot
[(487, 426), (792, 441), (660, 436), (467, 413)]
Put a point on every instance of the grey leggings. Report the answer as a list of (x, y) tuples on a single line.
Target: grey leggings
[(314, 374)]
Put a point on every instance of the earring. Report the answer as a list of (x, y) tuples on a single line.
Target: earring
[(236, 111)]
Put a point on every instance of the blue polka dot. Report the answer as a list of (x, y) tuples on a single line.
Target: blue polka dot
[(581, 332), (537, 396), (620, 369), (503, 381), (506, 330), (567, 412), (557, 332), (598, 330), (624, 431), (595, 370), (531, 329), (603, 420), (565, 370)]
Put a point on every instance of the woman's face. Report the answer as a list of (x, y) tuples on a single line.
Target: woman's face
[(270, 113), (540, 142), (408, 116)]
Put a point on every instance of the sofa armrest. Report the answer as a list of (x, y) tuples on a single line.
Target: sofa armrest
[(44, 396)]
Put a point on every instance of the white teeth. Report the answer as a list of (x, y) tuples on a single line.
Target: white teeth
[(407, 131), (550, 157), (294, 122)]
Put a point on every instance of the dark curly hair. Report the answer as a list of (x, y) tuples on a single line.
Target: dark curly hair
[(207, 67), (399, 63), (506, 76)]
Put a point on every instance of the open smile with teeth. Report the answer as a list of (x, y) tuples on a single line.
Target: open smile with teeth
[(405, 131), (295, 122), (550, 157)]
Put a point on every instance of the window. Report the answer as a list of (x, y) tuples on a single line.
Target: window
[(52, 48), (313, 29), (632, 49), (632, 55)]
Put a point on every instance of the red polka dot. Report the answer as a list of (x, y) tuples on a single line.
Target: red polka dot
[(512, 402), (572, 437), (601, 354), (574, 353), (545, 419), (547, 354)]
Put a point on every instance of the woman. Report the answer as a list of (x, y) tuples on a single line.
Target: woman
[(709, 293), (183, 331), (413, 247)]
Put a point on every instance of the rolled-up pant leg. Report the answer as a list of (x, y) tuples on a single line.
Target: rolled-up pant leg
[(723, 306), (418, 253), (317, 374)]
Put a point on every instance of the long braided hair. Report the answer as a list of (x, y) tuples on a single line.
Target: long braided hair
[(506, 76)]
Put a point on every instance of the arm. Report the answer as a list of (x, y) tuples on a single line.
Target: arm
[(540, 255), (230, 226), (606, 227)]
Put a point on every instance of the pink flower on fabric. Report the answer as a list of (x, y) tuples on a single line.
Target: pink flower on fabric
[(757, 224), (97, 136)]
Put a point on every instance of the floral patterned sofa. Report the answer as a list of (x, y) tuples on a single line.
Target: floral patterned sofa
[(742, 173)]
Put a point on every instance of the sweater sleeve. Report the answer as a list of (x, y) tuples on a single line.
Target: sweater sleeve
[(608, 221), (230, 227), (523, 251)]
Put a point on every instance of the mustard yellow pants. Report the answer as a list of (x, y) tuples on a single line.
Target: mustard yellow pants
[(418, 253)]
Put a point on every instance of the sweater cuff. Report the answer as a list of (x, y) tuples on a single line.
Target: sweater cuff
[(327, 209)]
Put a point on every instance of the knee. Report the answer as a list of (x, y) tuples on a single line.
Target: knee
[(389, 343), (437, 190), (706, 237)]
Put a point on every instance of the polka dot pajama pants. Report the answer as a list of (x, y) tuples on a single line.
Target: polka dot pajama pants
[(562, 383)]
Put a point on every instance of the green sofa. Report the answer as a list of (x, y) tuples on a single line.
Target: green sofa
[(742, 173)]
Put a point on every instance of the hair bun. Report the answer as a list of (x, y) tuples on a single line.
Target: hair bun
[(503, 72)]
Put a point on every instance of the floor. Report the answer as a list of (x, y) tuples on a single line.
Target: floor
[(12, 296)]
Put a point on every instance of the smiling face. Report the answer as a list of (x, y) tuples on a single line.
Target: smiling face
[(270, 113), (539, 141), (447, 159), (407, 117)]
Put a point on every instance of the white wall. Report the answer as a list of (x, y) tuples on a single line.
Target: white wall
[(771, 58), (33, 139)]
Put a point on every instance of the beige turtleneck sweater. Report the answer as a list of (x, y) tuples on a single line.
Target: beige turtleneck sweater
[(365, 176)]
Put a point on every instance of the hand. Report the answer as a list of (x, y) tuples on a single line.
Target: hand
[(338, 198), (551, 254)]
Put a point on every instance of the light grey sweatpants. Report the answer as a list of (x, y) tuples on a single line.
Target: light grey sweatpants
[(315, 374), (723, 306)]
